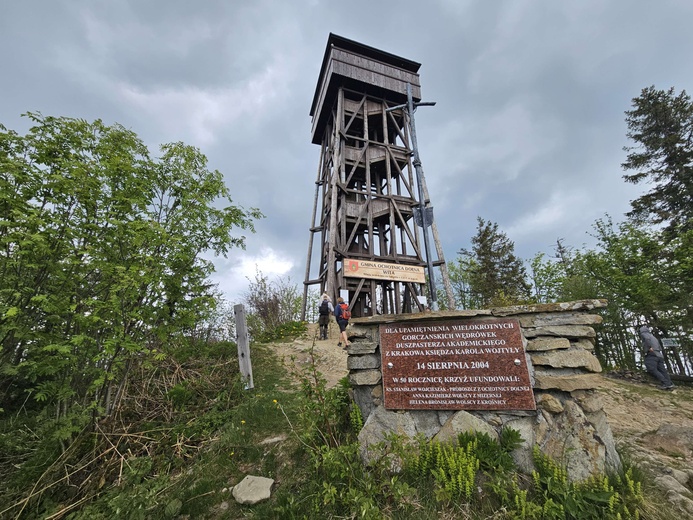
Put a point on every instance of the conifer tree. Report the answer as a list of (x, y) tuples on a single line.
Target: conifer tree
[(497, 276), (661, 125)]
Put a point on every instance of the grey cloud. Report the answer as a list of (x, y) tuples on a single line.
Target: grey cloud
[(528, 128)]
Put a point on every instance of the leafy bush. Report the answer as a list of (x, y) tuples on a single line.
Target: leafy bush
[(271, 305)]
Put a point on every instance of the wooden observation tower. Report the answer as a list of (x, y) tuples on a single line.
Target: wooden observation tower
[(371, 213)]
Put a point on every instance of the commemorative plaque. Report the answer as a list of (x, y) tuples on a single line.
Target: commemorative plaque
[(455, 365)]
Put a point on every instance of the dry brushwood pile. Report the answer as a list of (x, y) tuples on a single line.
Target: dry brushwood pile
[(153, 418)]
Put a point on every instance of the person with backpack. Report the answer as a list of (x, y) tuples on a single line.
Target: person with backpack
[(654, 358), (325, 309), (342, 314)]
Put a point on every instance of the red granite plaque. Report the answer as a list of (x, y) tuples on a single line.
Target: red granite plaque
[(455, 365)]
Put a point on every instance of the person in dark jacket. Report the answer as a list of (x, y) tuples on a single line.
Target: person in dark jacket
[(654, 358), (325, 309)]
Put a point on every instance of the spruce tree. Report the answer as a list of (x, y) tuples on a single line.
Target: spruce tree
[(661, 125), (497, 276)]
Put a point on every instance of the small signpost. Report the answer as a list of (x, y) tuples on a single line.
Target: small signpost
[(455, 365), (243, 344), (669, 342)]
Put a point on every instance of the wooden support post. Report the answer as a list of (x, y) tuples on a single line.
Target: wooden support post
[(243, 344)]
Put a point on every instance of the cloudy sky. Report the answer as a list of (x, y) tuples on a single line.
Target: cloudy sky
[(528, 130)]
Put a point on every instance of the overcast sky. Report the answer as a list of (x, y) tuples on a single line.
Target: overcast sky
[(528, 130)]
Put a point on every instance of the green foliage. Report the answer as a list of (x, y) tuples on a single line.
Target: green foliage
[(453, 468), (490, 273), (101, 256), (547, 279), (326, 414), (165, 417), (644, 279), (271, 304), (660, 124), (553, 496), (493, 455)]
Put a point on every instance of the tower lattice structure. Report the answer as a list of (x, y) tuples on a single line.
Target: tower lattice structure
[(366, 195)]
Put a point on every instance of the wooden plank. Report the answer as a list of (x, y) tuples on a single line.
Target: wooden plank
[(374, 72)]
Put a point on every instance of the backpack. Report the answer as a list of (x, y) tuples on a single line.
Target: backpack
[(324, 308), (346, 313)]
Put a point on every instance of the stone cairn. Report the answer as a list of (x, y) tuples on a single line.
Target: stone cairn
[(569, 424)]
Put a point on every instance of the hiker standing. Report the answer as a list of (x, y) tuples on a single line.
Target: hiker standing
[(342, 314), (325, 309), (654, 358)]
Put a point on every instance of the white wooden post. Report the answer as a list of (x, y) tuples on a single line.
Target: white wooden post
[(243, 343)]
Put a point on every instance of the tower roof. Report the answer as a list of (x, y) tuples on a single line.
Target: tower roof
[(360, 67)]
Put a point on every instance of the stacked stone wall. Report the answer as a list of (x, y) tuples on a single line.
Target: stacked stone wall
[(569, 423)]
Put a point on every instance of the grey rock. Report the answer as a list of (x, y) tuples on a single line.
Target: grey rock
[(598, 419), (363, 397), (562, 331), (571, 358), (681, 433), (426, 422), (358, 331), (549, 403), (365, 377), (523, 455), (544, 424), (572, 440), (565, 318), (463, 422), (682, 477), (670, 483), (363, 362), (583, 343), (579, 305), (548, 380), (544, 343), (444, 415), (589, 401), (381, 423), (683, 503), (252, 489), (491, 418), (363, 347)]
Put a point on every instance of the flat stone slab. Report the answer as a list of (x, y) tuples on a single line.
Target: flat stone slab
[(572, 358), (565, 383), (544, 344), (579, 305), (365, 377), (362, 347), (569, 318), (252, 489), (463, 422), (564, 331), (363, 362)]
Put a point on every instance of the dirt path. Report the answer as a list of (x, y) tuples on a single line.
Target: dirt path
[(330, 359)]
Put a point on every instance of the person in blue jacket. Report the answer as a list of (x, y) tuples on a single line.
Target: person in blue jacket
[(342, 322)]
